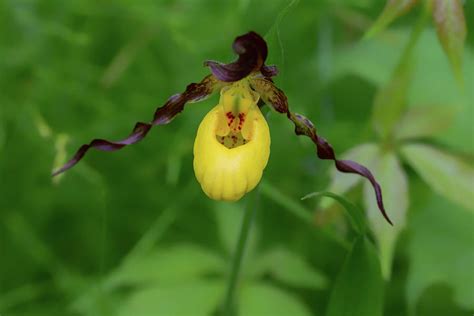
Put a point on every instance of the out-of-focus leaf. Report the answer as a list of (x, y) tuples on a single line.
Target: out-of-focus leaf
[(366, 154), (444, 173), (432, 78), (425, 121), (433, 84), (180, 263), (441, 251), (372, 60), (355, 213), (392, 10), (358, 290), (264, 300), (448, 15), (289, 268), (190, 298), (229, 215), (375, 60), (395, 193), (391, 101)]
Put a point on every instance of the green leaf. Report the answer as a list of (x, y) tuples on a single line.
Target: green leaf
[(448, 15), (441, 251), (358, 290), (444, 173), (391, 100), (356, 215), (365, 154), (425, 121), (289, 268), (392, 10), (393, 180), (434, 75), (190, 298), (180, 263), (263, 300)]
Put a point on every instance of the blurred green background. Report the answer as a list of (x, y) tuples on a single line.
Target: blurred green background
[(131, 233)]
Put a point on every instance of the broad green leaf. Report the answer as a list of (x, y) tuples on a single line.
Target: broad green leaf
[(441, 250), (391, 101), (394, 183), (365, 154), (425, 121), (358, 290), (260, 299), (448, 16), (179, 263), (190, 298), (444, 173), (392, 10), (355, 213), (289, 268)]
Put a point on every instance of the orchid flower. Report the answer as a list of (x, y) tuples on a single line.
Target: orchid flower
[(232, 145)]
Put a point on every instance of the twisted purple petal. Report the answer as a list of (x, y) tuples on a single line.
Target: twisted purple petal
[(275, 97), (194, 92)]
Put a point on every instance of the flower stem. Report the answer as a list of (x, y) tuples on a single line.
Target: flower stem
[(229, 306), (415, 34)]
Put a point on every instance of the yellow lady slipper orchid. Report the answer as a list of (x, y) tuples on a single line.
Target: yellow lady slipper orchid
[(232, 145)]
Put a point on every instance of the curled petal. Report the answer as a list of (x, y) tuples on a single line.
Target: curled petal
[(194, 92), (252, 50), (303, 126), (275, 97)]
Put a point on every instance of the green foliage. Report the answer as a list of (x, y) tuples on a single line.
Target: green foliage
[(359, 288), (444, 173), (188, 298), (356, 215), (262, 299), (289, 268), (131, 233), (441, 252)]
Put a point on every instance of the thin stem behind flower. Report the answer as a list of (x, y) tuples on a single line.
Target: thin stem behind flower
[(229, 305)]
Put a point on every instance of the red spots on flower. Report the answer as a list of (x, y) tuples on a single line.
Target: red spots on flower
[(241, 120), (230, 118), (235, 122)]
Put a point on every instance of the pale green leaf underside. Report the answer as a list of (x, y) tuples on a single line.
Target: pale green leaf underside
[(446, 174)]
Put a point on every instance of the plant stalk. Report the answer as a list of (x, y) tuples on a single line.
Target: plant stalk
[(229, 306)]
